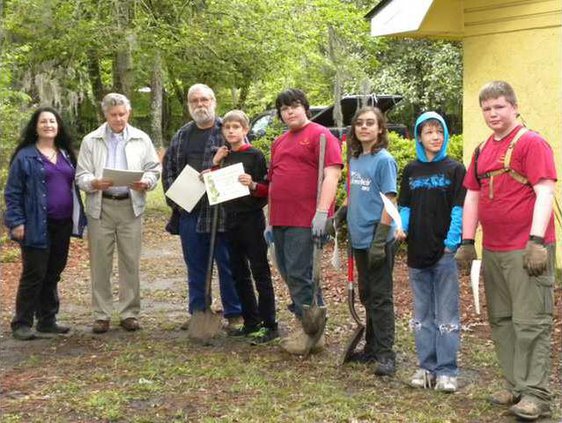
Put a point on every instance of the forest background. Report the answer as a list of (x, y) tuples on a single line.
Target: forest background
[(69, 54)]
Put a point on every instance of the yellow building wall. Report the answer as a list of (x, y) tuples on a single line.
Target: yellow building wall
[(519, 42)]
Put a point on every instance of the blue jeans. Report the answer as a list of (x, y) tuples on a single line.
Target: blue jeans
[(195, 248), (436, 321), (293, 251)]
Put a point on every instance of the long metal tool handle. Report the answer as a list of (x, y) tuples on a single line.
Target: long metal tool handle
[(212, 242), (317, 251), (350, 261)]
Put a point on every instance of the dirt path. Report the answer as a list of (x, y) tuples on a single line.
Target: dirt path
[(37, 375)]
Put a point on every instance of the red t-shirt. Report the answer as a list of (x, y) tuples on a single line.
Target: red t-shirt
[(506, 219), (293, 174)]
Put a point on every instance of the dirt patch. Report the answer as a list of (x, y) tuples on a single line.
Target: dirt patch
[(118, 375)]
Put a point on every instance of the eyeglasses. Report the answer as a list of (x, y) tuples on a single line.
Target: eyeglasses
[(293, 106), (368, 123), (202, 100)]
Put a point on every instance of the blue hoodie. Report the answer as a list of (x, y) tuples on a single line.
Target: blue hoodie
[(454, 233), (420, 151)]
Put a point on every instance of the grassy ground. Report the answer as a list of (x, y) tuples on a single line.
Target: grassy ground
[(158, 375)]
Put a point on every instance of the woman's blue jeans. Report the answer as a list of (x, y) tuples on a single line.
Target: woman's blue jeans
[(436, 322)]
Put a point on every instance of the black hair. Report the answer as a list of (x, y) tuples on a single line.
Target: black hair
[(28, 136), (290, 97), (382, 139)]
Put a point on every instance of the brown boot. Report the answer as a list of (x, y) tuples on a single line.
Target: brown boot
[(530, 408), (503, 397)]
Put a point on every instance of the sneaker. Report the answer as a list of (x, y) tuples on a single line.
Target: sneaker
[(361, 357), (185, 325), (446, 383), (386, 366), (53, 328), (243, 331), (530, 408), (423, 379), (100, 326), (263, 336), (23, 333), (503, 397)]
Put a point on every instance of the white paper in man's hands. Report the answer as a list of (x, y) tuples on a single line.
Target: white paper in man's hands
[(474, 283), (223, 184), (187, 189), (122, 178), (391, 210)]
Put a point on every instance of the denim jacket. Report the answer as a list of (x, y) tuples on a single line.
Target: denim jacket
[(26, 199)]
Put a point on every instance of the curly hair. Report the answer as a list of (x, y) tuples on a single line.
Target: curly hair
[(28, 136), (382, 140)]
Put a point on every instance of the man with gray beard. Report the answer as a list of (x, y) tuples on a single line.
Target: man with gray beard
[(195, 144)]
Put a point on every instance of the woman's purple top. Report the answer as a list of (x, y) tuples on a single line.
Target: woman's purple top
[(59, 179)]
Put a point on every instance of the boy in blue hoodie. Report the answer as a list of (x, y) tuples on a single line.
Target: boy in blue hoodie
[(431, 199)]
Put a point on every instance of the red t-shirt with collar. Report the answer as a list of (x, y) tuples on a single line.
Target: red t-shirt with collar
[(293, 174), (506, 219)]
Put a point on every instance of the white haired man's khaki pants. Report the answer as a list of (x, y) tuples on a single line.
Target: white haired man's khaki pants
[(117, 225)]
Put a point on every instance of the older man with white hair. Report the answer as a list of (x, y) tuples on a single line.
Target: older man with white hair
[(195, 144), (115, 212)]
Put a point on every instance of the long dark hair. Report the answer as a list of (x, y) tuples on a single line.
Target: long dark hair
[(28, 136), (382, 139)]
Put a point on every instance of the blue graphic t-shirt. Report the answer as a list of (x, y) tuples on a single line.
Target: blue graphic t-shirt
[(370, 174)]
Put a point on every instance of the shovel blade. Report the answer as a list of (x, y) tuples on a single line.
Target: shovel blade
[(204, 325), (352, 344), (313, 319)]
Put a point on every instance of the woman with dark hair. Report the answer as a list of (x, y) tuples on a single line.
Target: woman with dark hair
[(43, 209), (373, 171)]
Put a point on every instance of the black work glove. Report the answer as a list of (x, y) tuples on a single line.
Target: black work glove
[(466, 253), (335, 222), (376, 251), (535, 256)]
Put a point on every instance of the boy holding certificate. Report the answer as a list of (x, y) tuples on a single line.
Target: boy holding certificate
[(245, 227)]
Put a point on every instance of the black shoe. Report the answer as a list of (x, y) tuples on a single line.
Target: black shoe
[(23, 333), (263, 336), (385, 367), (53, 328), (361, 357)]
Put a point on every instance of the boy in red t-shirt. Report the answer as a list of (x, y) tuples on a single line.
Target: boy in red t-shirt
[(513, 203), (296, 218)]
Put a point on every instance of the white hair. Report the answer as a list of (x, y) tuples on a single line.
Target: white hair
[(201, 87), (115, 99)]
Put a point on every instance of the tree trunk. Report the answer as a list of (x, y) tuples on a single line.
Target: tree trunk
[(95, 79), (156, 87), (123, 61)]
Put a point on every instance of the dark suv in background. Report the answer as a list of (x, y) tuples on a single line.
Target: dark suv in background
[(325, 115)]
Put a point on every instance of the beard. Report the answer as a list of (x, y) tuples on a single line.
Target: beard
[(202, 115)]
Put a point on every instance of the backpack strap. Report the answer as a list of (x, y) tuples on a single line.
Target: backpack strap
[(506, 164)]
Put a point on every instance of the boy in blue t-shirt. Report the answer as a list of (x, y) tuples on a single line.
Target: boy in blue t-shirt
[(373, 171), (431, 199)]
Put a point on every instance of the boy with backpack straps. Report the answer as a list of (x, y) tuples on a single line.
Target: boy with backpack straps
[(510, 186)]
